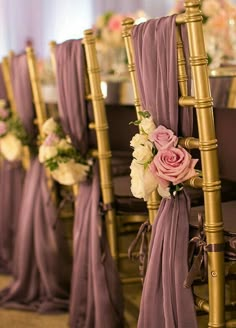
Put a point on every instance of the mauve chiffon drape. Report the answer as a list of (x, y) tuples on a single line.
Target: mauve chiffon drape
[(3, 92), (11, 182), (42, 261), (96, 296), (165, 302)]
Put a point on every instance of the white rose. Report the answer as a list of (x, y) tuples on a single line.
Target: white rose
[(211, 7), (46, 152), (147, 125), (49, 126), (138, 139), (70, 173), (143, 182), (143, 153), (149, 184), (164, 192), (100, 22), (11, 147), (137, 171), (64, 144)]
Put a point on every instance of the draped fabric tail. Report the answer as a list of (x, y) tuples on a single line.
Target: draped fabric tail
[(3, 92), (164, 299), (11, 185), (37, 284), (96, 299), (96, 293)]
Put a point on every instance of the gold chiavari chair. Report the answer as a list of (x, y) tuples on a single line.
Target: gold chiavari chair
[(206, 143), (115, 219), (60, 194)]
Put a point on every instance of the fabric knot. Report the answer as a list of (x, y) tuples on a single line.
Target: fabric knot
[(67, 197), (142, 239), (198, 262), (104, 208)]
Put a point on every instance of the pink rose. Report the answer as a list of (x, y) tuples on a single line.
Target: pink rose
[(114, 23), (163, 138), (51, 139), (173, 165)]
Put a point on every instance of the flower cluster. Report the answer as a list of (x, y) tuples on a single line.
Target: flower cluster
[(158, 161), (219, 18), (65, 163), (110, 45), (108, 27), (12, 135)]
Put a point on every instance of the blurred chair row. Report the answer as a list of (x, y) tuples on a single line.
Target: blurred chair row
[(43, 268)]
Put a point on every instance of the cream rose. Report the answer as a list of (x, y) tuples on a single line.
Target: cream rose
[(64, 144), (46, 152), (70, 173), (49, 126), (173, 165), (143, 153), (137, 171), (142, 181), (211, 7), (163, 138), (138, 139), (147, 125), (11, 147), (164, 192)]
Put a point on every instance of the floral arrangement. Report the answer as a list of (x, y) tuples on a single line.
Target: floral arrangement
[(45, 71), (219, 18), (108, 30), (158, 161), (12, 135), (56, 152)]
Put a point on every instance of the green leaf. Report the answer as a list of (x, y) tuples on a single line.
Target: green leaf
[(137, 122), (144, 114)]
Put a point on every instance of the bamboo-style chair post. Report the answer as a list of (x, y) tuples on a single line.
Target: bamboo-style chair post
[(101, 128), (37, 93), (40, 107), (7, 81), (155, 199), (52, 46), (209, 158)]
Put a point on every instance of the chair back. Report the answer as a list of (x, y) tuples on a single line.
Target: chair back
[(202, 101), (17, 95), (92, 94)]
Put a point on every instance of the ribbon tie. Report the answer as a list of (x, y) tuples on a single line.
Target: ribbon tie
[(142, 255), (198, 263)]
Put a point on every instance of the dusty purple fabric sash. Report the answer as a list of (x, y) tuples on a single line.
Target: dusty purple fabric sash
[(3, 92), (71, 92), (11, 182), (40, 275), (96, 296), (23, 93), (42, 260), (11, 185), (165, 302)]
